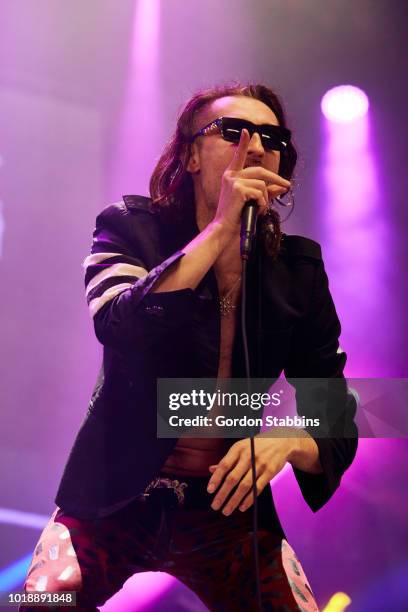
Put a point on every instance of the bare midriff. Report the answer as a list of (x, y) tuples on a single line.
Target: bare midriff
[(193, 456)]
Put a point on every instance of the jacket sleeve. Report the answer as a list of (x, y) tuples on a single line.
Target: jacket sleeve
[(120, 272), (316, 355)]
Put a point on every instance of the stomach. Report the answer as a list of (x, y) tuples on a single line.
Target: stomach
[(193, 456)]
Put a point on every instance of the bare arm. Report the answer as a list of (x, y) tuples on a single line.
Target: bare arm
[(200, 254), (238, 186)]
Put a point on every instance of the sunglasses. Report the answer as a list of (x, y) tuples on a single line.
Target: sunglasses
[(273, 137)]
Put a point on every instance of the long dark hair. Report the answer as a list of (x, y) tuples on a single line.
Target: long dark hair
[(171, 185)]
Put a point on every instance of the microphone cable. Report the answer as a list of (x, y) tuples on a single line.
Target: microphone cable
[(253, 466)]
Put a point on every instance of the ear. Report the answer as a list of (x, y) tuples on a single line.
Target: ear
[(193, 165)]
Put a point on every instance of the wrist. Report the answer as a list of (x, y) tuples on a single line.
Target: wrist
[(304, 454), (294, 449), (222, 232)]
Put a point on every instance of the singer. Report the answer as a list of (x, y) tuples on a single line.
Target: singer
[(163, 285)]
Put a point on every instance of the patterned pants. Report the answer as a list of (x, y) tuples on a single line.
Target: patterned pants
[(173, 529)]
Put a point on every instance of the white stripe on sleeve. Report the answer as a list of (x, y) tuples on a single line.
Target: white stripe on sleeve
[(97, 303), (119, 269), (96, 258)]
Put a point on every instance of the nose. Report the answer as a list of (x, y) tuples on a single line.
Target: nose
[(255, 145)]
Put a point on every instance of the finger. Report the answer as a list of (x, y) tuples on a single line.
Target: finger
[(274, 191), (218, 476), (238, 161), (231, 481), (261, 196), (255, 185), (249, 499), (245, 485), (239, 495), (224, 466), (258, 172)]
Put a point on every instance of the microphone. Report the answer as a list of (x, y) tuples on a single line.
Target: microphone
[(248, 227)]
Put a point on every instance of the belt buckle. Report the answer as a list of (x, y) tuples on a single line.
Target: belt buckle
[(167, 483)]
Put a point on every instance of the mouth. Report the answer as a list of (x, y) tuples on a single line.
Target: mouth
[(253, 165)]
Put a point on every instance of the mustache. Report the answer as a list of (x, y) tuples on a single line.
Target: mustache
[(250, 164)]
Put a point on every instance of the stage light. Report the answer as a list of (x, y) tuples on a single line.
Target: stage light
[(344, 103), (143, 100), (338, 603), (352, 209), (14, 574), (23, 519)]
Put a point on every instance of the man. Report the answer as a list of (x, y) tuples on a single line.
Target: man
[(163, 283)]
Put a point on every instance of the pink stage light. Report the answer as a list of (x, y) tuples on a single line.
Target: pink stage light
[(344, 103)]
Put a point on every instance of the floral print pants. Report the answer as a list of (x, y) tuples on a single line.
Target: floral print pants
[(171, 529)]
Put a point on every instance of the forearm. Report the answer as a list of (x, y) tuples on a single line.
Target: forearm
[(305, 454), (200, 254)]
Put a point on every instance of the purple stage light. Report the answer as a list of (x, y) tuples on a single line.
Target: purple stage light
[(356, 228), (23, 519), (140, 118), (344, 103)]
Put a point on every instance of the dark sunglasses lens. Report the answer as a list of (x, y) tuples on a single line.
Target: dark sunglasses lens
[(232, 128), (274, 138)]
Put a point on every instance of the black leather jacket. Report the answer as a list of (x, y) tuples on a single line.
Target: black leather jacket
[(292, 327)]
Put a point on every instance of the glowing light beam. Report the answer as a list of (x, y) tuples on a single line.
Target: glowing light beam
[(23, 519), (140, 119), (344, 103), (14, 574), (355, 225)]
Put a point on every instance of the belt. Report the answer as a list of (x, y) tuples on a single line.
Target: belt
[(179, 492), (156, 486)]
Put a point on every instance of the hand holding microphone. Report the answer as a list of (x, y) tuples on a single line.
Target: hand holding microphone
[(245, 194)]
